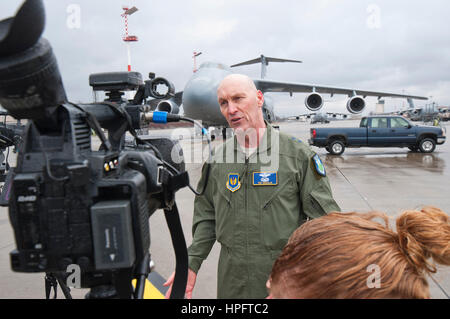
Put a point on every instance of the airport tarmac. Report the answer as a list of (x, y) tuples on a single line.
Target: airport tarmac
[(384, 179)]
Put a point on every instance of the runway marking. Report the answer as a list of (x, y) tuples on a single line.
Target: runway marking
[(150, 291), (440, 287), (353, 186)]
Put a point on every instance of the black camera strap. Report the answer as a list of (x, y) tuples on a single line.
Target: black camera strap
[(181, 255)]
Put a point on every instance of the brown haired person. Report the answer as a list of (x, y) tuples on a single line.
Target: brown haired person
[(334, 256)]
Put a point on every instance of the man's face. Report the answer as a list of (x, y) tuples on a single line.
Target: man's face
[(240, 104)]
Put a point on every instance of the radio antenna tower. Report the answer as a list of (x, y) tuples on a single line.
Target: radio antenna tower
[(128, 38), (196, 54)]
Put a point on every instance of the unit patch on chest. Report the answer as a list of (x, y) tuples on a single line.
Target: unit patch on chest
[(233, 182)]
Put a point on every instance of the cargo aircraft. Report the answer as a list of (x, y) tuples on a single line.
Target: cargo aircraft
[(199, 97)]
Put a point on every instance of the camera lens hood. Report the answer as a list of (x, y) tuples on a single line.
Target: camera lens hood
[(24, 30)]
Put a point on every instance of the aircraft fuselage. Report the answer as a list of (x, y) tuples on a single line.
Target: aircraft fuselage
[(200, 95)]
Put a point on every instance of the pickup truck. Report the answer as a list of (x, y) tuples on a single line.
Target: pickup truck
[(379, 131)]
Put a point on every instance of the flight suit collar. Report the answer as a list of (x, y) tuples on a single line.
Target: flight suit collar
[(264, 145)]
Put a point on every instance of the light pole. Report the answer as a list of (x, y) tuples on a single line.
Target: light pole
[(128, 38), (196, 54)]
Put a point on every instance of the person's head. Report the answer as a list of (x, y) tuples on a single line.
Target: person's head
[(240, 102), (352, 256)]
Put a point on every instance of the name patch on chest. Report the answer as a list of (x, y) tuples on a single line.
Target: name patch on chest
[(265, 179)]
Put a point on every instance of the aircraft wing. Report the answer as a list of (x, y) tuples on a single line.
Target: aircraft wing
[(296, 117), (273, 86), (335, 113)]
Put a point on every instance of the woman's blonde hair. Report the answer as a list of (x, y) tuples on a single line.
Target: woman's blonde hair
[(332, 256)]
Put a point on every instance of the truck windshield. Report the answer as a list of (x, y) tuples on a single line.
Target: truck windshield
[(363, 122)]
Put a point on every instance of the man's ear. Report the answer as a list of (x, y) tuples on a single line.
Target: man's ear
[(260, 98)]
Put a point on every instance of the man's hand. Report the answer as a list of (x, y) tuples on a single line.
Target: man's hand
[(192, 276)]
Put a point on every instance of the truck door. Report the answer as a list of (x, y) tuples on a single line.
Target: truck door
[(401, 131), (378, 132)]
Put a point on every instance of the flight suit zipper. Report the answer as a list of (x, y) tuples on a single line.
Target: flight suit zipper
[(245, 180)]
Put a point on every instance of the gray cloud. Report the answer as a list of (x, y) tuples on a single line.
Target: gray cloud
[(381, 45)]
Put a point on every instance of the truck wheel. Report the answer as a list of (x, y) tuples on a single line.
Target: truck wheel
[(336, 147), (427, 145)]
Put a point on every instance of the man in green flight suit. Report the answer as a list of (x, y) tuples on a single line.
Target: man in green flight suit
[(262, 186)]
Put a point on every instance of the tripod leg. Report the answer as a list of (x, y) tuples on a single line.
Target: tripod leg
[(50, 282), (64, 288)]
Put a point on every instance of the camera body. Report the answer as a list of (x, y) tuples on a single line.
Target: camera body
[(72, 205)]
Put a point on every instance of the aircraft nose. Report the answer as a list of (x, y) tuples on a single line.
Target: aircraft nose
[(199, 93)]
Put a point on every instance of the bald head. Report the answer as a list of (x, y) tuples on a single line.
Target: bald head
[(238, 79)]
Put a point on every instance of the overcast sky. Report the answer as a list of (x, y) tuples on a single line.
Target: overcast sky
[(395, 46)]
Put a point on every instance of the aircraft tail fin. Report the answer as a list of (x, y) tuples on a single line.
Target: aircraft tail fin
[(264, 63)]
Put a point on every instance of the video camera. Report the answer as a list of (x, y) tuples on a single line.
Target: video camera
[(70, 204)]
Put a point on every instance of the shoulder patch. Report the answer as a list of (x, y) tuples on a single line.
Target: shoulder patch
[(320, 169)]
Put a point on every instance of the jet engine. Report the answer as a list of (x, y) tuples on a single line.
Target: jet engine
[(168, 106), (356, 105), (314, 102)]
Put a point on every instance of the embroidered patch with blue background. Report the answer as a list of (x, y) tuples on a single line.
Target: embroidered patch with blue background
[(233, 183), (265, 179), (320, 169)]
